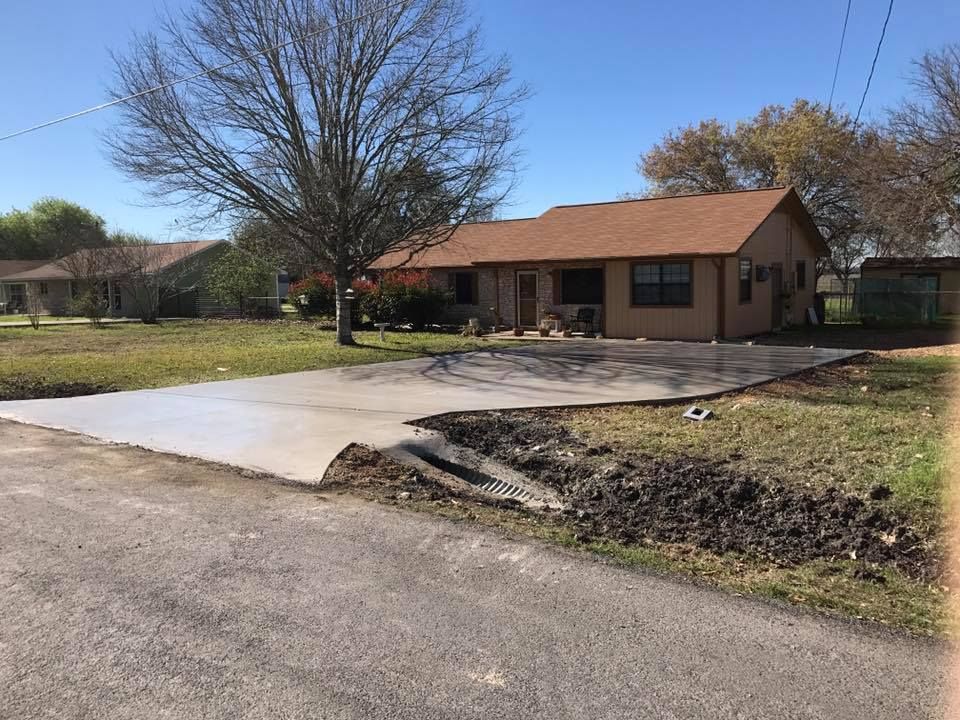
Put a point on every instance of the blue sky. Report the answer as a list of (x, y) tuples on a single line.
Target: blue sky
[(609, 79)]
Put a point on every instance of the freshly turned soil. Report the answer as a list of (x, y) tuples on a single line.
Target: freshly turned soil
[(29, 388), (632, 497)]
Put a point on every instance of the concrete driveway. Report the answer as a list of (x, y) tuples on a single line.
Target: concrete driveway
[(294, 425)]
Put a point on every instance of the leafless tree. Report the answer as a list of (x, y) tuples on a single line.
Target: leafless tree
[(34, 303), (913, 172), (150, 272), (354, 127), (89, 269)]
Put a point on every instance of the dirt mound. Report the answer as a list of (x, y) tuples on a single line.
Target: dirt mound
[(28, 388), (630, 497)]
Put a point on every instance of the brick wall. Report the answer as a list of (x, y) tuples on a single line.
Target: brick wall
[(486, 296), (497, 288)]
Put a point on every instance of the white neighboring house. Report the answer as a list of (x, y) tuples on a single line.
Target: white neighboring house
[(56, 286)]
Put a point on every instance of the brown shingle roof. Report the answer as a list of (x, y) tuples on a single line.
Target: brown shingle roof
[(55, 271), (9, 267), (705, 224)]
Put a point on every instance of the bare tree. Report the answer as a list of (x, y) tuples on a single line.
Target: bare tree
[(354, 127), (34, 303), (150, 272), (913, 171), (89, 269)]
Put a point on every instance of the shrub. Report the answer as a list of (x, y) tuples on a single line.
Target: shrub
[(320, 295), (405, 296)]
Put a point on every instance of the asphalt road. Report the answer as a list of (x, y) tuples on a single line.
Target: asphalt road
[(140, 586)]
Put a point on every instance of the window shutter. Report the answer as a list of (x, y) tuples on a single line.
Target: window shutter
[(475, 288)]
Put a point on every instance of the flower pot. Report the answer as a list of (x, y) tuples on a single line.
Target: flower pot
[(544, 332), (518, 332)]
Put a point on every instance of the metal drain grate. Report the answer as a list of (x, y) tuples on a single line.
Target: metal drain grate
[(487, 483)]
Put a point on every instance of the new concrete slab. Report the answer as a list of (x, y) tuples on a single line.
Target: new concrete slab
[(294, 425)]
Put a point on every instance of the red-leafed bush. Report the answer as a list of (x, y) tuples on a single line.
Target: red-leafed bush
[(406, 297), (397, 297), (319, 294)]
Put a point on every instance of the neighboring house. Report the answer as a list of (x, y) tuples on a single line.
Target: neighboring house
[(689, 267), (944, 270), (14, 295), (56, 285)]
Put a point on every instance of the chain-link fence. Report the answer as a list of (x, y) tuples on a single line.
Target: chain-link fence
[(888, 301)]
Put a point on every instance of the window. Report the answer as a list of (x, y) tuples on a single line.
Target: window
[(583, 286), (464, 286), (44, 289), (746, 280), (801, 274), (117, 298), (661, 284), (18, 294)]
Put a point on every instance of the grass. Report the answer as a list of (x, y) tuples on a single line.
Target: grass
[(134, 356), (877, 421), (881, 420)]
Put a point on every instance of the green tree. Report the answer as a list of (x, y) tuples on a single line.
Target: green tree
[(51, 228), (237, 275), (806, 145)]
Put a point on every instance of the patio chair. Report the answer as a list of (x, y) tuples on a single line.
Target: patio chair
[(583, 319)]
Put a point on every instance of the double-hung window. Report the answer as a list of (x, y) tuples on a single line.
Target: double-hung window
[(662, 284)]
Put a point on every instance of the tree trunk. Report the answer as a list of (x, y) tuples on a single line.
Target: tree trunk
[(344, 330)]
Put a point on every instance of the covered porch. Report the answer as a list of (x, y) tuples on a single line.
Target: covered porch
[(562, 296)]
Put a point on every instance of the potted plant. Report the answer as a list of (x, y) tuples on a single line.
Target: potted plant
[(518, 331)]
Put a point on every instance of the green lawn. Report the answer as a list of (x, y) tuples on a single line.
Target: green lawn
[(135, 356)]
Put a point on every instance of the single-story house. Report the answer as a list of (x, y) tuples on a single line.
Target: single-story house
[(689, 267), (945, 271), (13, 295), (185, 263)]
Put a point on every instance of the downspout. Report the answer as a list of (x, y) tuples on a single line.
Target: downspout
[(497, 296)]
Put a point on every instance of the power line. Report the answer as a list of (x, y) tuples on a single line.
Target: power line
[(873, 65), (836, 69), (194, 76)]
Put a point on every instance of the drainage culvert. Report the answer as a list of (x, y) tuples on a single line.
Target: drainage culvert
[(433, 450), (482, 480)]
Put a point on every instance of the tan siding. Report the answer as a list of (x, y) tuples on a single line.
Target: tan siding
[(698, 322), (780, 239)]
